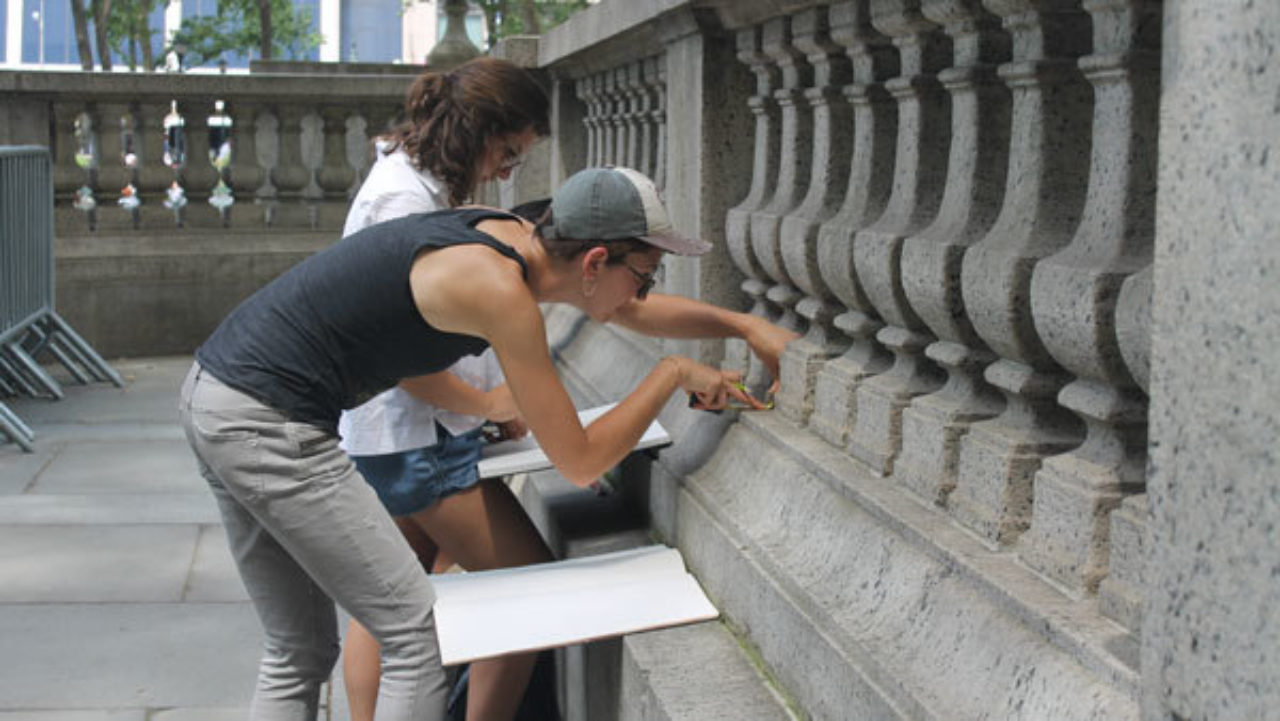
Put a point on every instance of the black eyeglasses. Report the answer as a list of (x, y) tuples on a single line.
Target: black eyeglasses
[(647, 280)]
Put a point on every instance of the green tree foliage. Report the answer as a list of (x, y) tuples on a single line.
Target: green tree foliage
[(526, 17), (270, 27), (129, 31)]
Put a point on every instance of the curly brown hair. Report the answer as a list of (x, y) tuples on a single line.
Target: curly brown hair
[(450, 117)]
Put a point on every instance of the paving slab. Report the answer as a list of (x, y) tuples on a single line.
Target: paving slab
[(128, 655), (213, 573), (106, 467), (93, 564), (126, 508)]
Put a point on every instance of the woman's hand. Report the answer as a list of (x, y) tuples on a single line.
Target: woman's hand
[(768, 341), (513, 430), (711, 387), (500, 406)]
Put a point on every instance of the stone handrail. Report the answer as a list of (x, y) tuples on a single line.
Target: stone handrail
[(299, 145), (947, 199)]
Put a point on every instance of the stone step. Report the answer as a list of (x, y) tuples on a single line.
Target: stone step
[(694, 673)]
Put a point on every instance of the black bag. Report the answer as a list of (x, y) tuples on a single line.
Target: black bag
[(539, 702)]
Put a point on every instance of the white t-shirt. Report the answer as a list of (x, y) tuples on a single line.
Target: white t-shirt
[(395, 421)]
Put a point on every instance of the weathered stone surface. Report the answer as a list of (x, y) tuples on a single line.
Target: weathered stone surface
[(1210, 630)]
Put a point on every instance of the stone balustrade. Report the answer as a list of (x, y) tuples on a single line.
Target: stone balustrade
[(952, 201), (299, 145), (978, 247)]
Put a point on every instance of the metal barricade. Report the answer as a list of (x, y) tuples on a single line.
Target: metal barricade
[(28, 324)]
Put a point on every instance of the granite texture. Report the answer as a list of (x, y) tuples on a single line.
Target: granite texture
[(1211, 631)]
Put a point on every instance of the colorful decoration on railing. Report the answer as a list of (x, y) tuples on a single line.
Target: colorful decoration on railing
[(129, 199), (220, 155), (86, 157), (175, 156), (175, 198)]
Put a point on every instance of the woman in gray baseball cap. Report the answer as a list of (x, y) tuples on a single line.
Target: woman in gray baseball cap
[(403, 298)]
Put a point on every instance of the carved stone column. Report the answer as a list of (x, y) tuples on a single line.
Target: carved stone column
[(648, 123), (1043, 199), (933, 424), (266, 137), (870, 183), (1120, 595), (153, 176), (610, 108), (293, 176), (66, 175), (359, 150), (634, 89), (200, 175), (795, 128), (1073, 295), (585, 90), (659, 115), (246, 176), (924, 126), (829, 176), (763, 172)]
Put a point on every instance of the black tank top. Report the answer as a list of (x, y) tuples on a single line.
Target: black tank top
[(341, 326)]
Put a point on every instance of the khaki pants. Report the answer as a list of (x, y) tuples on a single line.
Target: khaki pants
[(306, 531)]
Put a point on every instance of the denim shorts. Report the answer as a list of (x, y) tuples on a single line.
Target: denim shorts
[(409, 481)]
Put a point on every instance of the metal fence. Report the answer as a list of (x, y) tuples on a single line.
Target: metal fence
[(29, 326)]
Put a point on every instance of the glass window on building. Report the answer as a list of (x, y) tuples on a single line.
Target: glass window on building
[(371, 31)]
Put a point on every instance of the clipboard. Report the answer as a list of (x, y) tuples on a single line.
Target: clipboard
[(524, 455), (529, 608)]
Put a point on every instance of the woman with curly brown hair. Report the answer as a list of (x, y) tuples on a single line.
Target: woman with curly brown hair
[(418, 443)]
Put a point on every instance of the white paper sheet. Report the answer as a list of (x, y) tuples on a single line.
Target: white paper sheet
[(491, 613), (524, 455)]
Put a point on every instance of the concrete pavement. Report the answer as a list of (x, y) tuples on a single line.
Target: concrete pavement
[(118, 598)]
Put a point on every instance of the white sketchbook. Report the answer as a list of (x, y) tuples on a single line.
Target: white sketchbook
[(507, 457), (492, 613)]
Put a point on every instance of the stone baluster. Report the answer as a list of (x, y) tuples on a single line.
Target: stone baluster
[(611, 108), (633, 89), (199, 176), (359, 149), (336, 174), (869, 186), (245, 176), (933, 424), (67, 176), (828, 178), (582, 88), (763, 171), (153, 176), (1073, 299), (621, 109), (1044, 195), (794, 139), (266, 135), (1120, 595), (314, 152), (659, 115), (293, 175), (924, 133), (648, 124)]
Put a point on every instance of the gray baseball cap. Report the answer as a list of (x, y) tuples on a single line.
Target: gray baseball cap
[(613, 203)]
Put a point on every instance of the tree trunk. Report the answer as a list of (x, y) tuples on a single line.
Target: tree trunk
[(148, 55), (264, 22), (82, 34), (102, 11), (492, 11), (530, 17)]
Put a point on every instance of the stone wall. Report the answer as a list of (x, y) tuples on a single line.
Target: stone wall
[(951, 513)]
